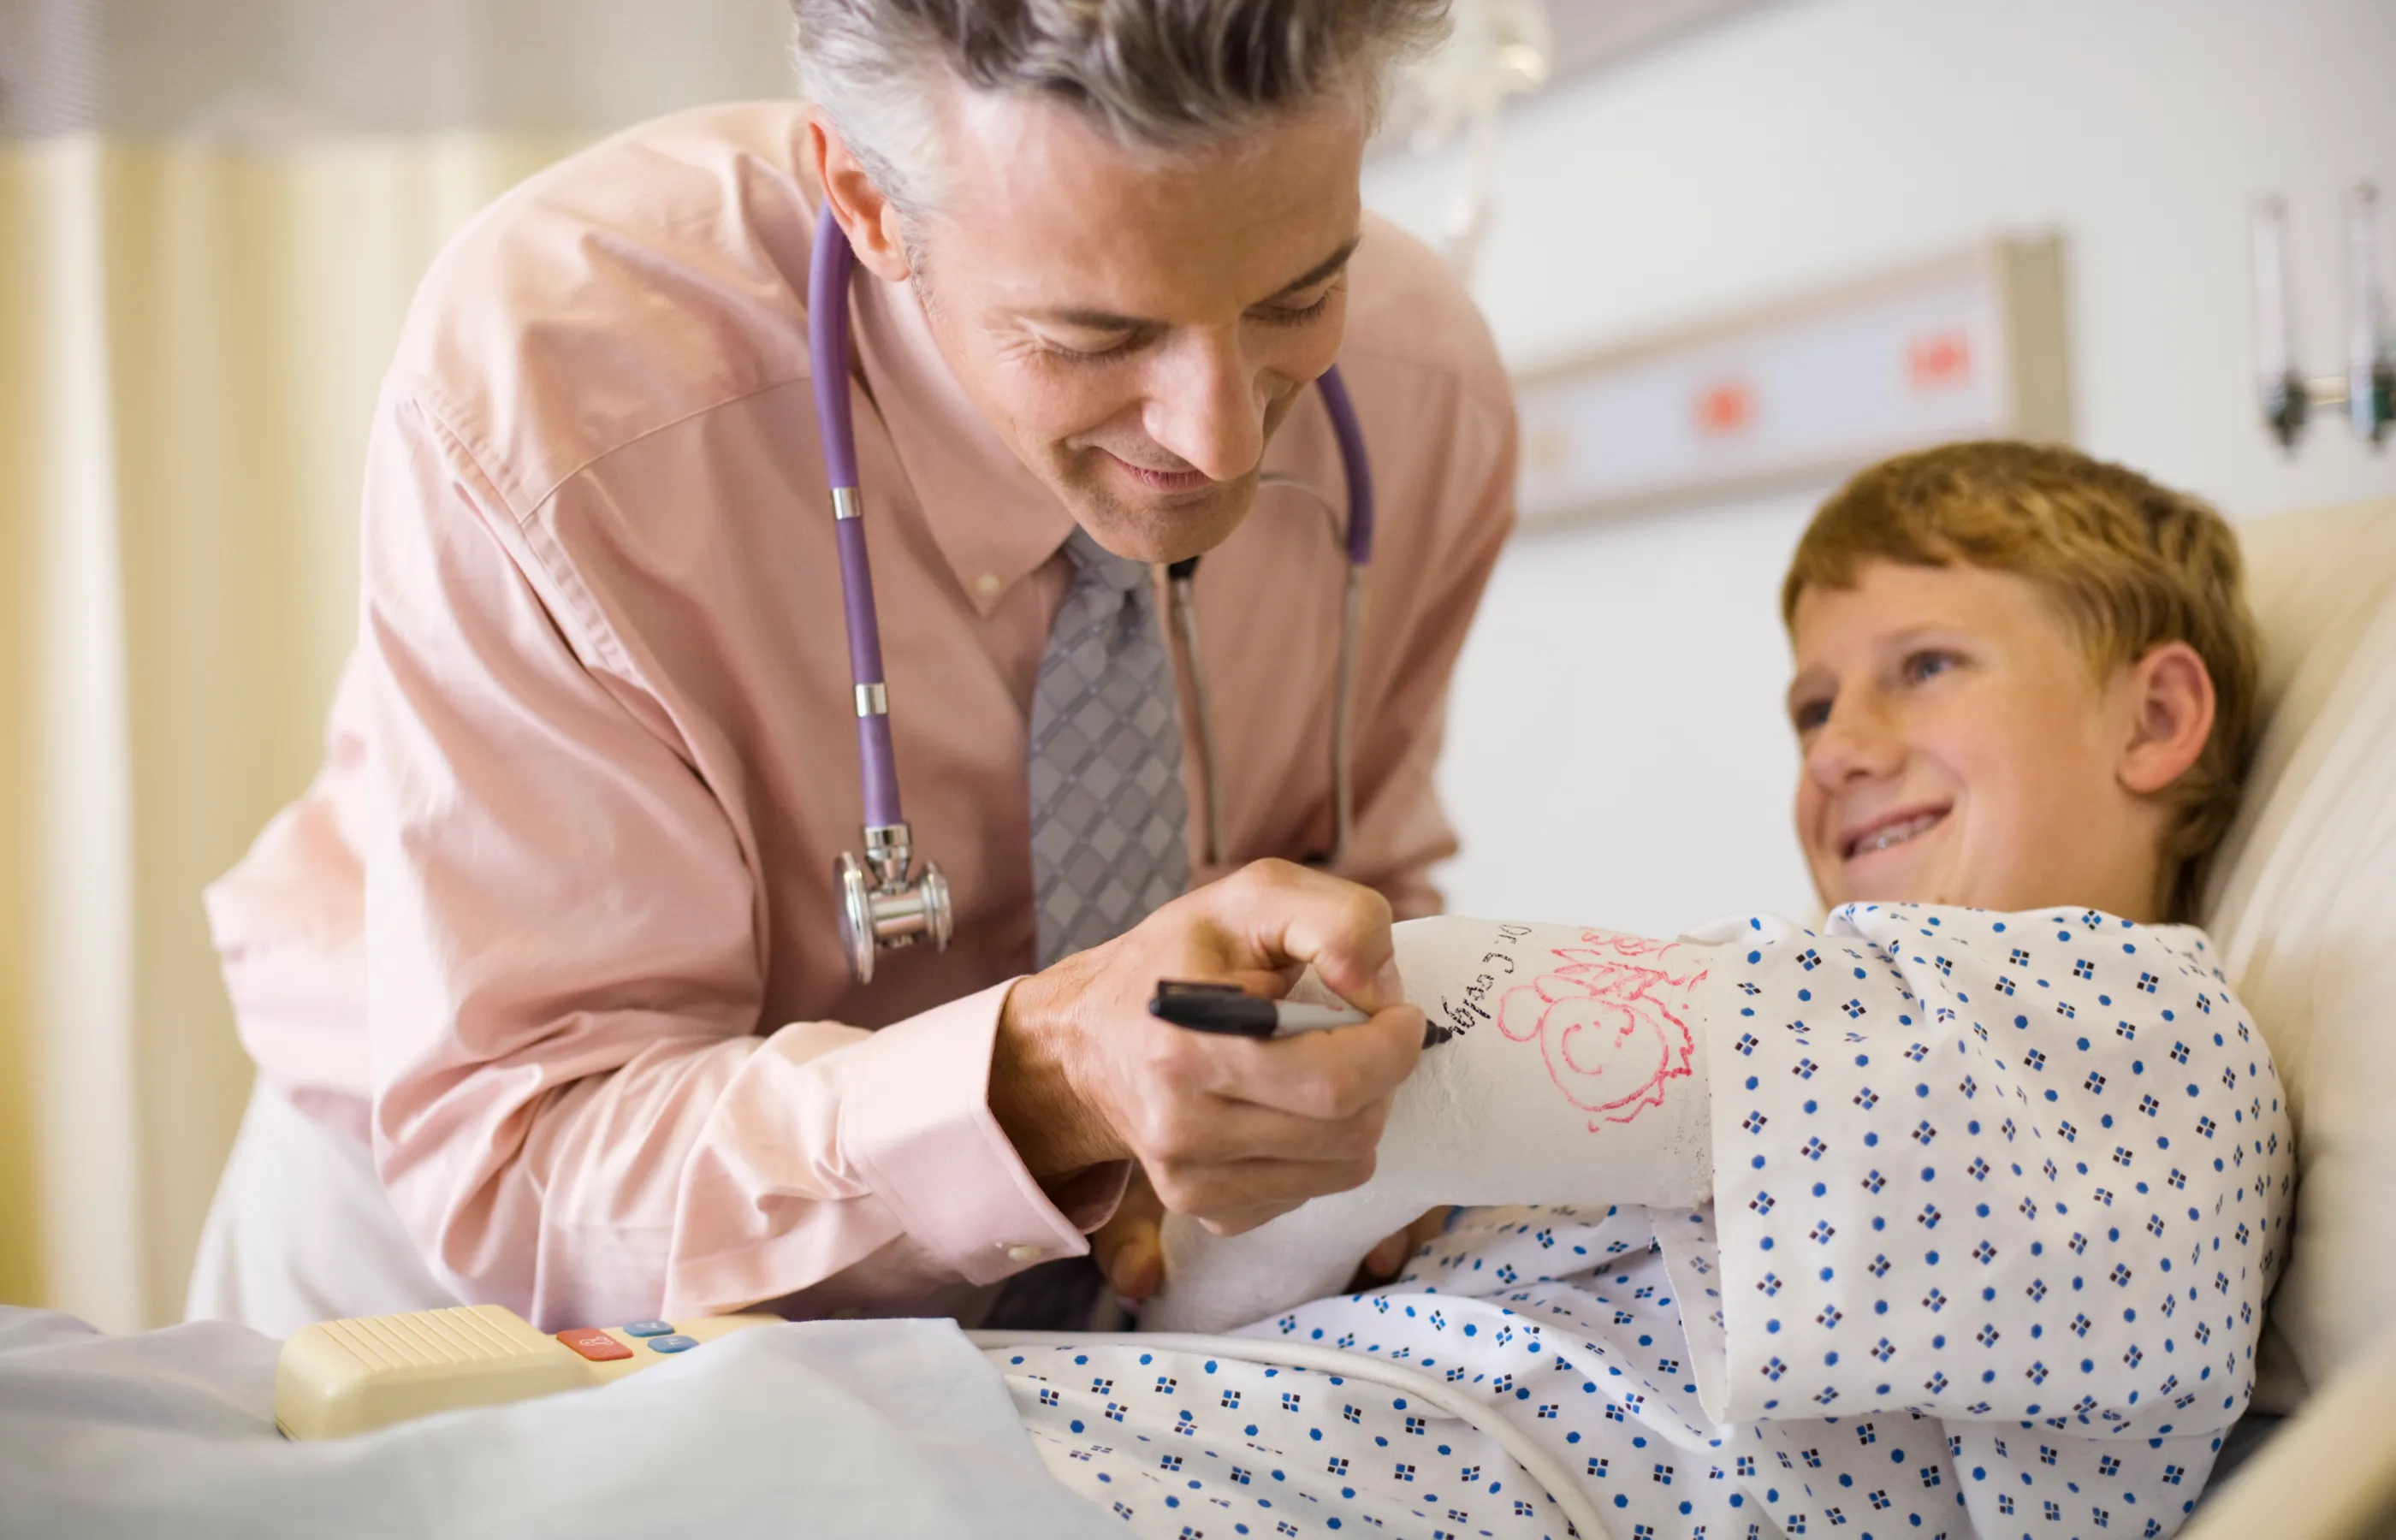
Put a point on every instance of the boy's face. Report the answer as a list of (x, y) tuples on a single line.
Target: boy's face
[(1958, 749)]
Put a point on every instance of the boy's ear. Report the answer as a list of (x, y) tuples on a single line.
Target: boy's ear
[(2169, 696)]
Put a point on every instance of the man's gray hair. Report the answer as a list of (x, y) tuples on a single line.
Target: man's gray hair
[(1160, 73)]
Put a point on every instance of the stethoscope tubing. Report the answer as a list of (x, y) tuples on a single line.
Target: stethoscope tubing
[(1353, 464), (828, 355)]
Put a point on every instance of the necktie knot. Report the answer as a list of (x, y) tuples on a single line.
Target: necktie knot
[(1094, 564)]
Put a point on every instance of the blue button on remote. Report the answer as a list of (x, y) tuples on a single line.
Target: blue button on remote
[(648, 1328), (673, 1344)]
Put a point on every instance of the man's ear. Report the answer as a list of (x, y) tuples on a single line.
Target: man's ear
[(871, 218), (2169, 698)]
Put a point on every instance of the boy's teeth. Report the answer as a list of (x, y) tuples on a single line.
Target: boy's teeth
[(1898, 833)]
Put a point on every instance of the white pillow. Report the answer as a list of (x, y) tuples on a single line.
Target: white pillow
[(2302, 905)]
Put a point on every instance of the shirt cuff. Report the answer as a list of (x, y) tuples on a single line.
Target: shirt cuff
[(917, 1125)]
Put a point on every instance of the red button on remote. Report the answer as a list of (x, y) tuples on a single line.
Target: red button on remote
[(595, 1344)]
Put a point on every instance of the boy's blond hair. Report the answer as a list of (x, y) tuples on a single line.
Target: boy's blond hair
[(2128, 564)]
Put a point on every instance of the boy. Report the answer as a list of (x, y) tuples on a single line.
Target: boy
[(1951, 1219)]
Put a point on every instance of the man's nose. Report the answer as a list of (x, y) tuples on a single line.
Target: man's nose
[(1207, 405), (1857, 743)]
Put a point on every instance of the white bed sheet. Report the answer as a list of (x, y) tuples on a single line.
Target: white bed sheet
[(833, 1428)]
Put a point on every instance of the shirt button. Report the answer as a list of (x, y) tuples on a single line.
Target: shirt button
[(987, 585), (1022, 1253)]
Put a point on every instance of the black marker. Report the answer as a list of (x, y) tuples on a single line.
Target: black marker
[(1227, 1008)]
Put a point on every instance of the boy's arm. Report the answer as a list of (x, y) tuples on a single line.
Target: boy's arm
[(1989, 1166)]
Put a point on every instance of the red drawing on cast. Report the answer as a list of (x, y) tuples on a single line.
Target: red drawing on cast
[(1608, 1022)]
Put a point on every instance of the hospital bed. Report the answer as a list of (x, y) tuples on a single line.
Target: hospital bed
[(898, 1427), (2302, 906)]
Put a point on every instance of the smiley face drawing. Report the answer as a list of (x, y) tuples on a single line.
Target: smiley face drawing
[(1610, 1022)]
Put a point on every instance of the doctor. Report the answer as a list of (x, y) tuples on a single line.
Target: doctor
[(545, 975)]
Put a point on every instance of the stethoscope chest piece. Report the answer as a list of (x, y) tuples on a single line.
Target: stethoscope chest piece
[(885, 905)]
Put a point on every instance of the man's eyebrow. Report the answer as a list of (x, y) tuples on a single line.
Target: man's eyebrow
[(1321, 270), (1092, 320), (1098, 320)]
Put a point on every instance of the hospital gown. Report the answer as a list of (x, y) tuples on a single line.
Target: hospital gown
[(1998, 1201)]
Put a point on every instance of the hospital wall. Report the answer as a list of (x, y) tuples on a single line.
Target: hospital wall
[(1618, 753)]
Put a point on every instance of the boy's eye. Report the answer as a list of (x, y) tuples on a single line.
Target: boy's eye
[(1809, 714), (1922, 665)]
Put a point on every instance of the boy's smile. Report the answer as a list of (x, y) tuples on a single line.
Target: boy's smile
[(1885, 831), (1958, 748)]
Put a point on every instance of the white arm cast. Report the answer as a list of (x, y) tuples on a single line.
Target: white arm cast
[(1572, 1071)]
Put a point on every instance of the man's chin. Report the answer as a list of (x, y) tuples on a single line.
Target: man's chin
[(1164, 528)]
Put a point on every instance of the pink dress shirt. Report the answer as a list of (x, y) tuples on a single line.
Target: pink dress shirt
[(554, 925)]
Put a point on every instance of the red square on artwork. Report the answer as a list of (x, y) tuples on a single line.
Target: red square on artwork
[(1725, 407), (1939, 360), (595, 1344)]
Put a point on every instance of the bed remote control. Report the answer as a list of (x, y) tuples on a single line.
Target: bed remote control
[(338, 1377)]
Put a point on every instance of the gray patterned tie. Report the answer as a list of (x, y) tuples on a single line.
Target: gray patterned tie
[(1109, 814), (1108, 817)]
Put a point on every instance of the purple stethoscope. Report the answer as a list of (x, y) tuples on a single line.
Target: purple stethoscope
[(884, 901)]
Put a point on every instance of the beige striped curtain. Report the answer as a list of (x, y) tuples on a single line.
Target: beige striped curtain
[(212, 216), (189, 342)]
